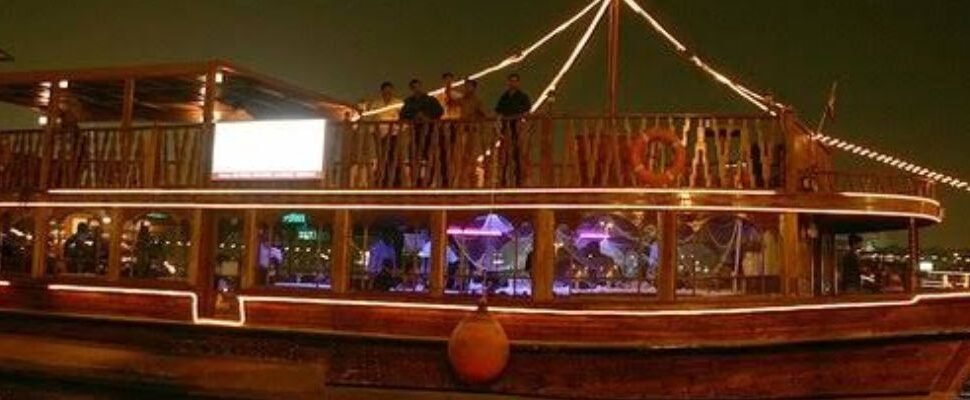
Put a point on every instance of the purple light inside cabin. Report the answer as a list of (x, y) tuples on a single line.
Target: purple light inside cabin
[(474, 232), (593, 235)]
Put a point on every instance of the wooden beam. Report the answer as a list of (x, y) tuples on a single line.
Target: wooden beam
[(47, 143), (114, 245), (38, 264), (199, 226), (912, 273), (104, 74), (250, 257), (667, 275), (208, 125), (543, 255), (342, 237), (439, 249), (790, 257), (150, 160)]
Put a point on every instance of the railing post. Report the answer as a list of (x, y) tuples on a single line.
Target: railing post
[(47, 141), (667, 275), (545, 153), (208, 126), (342, 237), (127, 111), (544, 255), (150, 158), (439, 249)]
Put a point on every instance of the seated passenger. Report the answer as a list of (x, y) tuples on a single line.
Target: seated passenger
[(385, 279), (851, 273)]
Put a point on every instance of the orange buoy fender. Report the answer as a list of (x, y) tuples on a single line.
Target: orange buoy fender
[(478, 348), (668, 174)]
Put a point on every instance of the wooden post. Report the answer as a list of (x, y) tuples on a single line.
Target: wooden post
[(38, 266), (829, 263), (47, 142), (790, 271), (667, 275), (128, 160), (199, 226), (116, 230), (613, 55), (342, 236), (150, 159), (544, 255), (208, 124), (547, 173), (912, 274), (439, 252), (247, 278)]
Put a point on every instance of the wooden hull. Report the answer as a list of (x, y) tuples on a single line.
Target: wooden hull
[(885, 347)]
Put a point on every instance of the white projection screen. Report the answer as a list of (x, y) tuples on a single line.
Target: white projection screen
[(280, 149)]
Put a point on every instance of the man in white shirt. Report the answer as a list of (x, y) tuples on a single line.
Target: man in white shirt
[(389, 107)]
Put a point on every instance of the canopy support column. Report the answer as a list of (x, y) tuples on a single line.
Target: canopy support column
[(912, 272), (792, 276), (667, 275), (114, 246), (439, 249), (544, 255), (250, 261), (38, 265), (342, 236)]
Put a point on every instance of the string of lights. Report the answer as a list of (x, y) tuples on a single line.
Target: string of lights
[(767, 104), (509, 61), (891, 161), (568, 64)]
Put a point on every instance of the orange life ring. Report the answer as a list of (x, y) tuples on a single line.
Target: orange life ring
[(668, 174)]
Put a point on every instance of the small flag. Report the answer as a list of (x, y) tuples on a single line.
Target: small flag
[(830, 105)]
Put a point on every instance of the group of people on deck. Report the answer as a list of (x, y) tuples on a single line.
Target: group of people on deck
[(457, 102)]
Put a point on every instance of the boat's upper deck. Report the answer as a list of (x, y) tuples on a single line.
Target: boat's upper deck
[(125, 136)]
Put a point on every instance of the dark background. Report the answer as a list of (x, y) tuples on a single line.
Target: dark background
[(902, 65)]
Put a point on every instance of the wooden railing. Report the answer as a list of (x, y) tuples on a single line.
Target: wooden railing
[(21, 156), (831, 181), (721, 152)]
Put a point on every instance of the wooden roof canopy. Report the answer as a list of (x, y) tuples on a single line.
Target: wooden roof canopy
[(172, 93)]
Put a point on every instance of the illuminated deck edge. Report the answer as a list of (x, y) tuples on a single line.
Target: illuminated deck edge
[(619, 199), (246, 299)]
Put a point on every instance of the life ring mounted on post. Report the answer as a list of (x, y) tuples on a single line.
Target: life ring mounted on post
[(669, 173)]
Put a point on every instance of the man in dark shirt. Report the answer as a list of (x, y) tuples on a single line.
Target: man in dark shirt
[(419, 106), (511, 107), (421, 109)]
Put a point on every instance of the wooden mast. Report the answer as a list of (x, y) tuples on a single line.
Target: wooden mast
[(613, 53)]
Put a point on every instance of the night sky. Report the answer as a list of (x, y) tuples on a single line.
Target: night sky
[(902, 65)]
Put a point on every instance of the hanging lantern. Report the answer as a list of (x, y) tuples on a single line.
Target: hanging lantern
[(478, 348)]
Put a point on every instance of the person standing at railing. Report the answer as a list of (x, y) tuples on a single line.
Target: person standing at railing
[(511, 107), (421, 110), (450, 100), (387, 102)]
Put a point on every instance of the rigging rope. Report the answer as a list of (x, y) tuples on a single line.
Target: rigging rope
[(511, 60), (767, 104), (761, 101), (568, 64)]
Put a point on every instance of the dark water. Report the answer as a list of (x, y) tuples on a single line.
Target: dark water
[(28, 387)]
